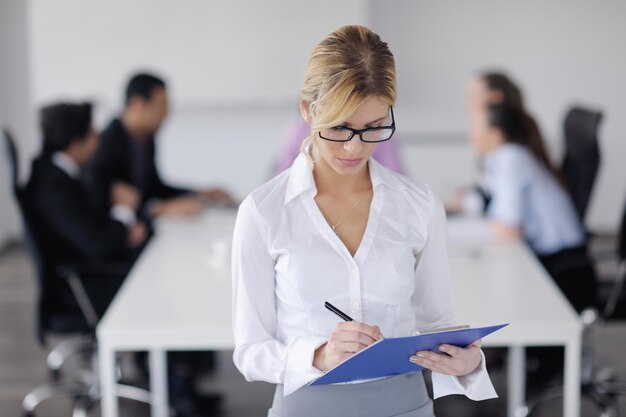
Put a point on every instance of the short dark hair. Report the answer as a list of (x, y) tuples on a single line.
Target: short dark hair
[(143, 85), (63, 123)]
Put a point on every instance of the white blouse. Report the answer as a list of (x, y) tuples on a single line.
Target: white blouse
[(287, 262)]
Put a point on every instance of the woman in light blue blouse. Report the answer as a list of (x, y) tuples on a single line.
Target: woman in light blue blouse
[(528, 200)]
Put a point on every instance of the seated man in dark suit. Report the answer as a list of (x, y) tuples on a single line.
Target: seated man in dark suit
[(70, 229), (127, 153)]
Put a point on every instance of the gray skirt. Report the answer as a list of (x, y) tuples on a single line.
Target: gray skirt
[(402, 395)]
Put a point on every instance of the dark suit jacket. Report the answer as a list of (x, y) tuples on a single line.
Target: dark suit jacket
[(121, 157), (68, 229)]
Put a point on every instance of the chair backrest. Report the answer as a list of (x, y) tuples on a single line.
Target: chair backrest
[(47, 321), (582, 155), (36, 256), (9, 150), (21, 198), (10, 153)]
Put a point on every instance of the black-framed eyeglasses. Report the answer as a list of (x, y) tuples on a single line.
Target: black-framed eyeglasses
[(367, 135)]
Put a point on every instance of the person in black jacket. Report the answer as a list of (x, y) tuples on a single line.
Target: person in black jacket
[(69, 228), (127, 153)]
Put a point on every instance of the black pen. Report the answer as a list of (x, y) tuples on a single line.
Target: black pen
[(338, 312), (341, 313)]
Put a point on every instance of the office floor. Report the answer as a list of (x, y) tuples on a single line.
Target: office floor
[(22, 362)]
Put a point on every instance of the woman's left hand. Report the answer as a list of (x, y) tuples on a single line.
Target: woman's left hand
[(453, 361)]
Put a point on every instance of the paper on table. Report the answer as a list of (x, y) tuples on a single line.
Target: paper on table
[(443, 329)]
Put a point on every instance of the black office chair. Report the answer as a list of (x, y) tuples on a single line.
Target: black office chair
[(10, 153), (582, 155), (599, 384), (45, 322), (82, 385)]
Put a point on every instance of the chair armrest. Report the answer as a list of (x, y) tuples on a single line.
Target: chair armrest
[(616, 291), (77, 274), (93, 269)]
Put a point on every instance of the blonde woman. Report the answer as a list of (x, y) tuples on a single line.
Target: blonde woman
[(339, 227)]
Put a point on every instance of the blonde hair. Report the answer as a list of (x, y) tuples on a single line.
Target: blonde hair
[(348, 66)]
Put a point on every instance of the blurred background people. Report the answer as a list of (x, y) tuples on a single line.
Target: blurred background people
[(127, 152), (520, 191), (69, 228), (485, 89), (527, 201), (492, 87), (523, 196)]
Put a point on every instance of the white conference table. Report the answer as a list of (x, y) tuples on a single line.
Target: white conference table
[(178, 297), (496, 282)]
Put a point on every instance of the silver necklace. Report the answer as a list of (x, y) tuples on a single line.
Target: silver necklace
[(334, 226)]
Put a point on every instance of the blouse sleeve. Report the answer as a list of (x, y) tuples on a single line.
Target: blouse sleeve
[(432, 303), (259, 354)]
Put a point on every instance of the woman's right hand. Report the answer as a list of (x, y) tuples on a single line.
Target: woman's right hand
[(347, 339)]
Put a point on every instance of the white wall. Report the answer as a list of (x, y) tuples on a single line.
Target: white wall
[(219, 52), (231, 148), (15, 108), (561, 52)]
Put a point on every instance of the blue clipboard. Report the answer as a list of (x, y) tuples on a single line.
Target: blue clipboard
[(388, 357)]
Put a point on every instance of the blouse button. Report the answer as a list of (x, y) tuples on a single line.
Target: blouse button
[(356, 303)]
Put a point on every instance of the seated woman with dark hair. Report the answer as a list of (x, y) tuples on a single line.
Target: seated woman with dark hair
[(527, 200)]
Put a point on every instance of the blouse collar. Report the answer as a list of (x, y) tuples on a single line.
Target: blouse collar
[(301, 177)]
